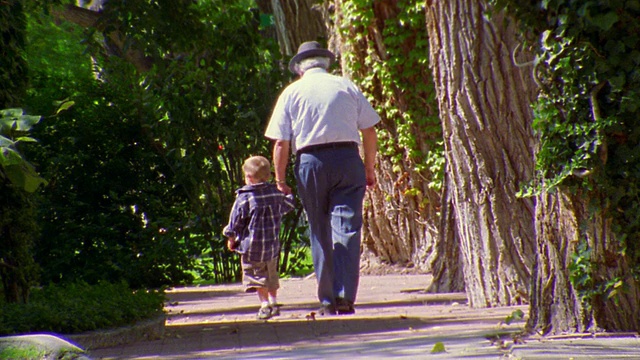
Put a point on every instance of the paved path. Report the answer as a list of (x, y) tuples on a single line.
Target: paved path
[(394, 319)]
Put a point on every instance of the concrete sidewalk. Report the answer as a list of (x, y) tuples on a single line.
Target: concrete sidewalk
[(394, 319)]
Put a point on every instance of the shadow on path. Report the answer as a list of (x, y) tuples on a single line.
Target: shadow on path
[(219, 322), (286, 335)]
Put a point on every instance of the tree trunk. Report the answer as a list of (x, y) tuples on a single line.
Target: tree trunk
[(566, 229), (554, 303), (88, 18), (448, 269), (401, 215), (296, 21), (484, 106)]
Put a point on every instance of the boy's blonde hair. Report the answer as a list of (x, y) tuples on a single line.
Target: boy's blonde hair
[(258, 167)]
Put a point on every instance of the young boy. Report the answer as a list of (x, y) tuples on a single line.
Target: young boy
[(253, 231)]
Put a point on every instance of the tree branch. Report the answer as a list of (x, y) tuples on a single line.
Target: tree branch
[(88, 18), (4, 264)]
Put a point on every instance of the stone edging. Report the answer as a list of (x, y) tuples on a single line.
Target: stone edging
[(151, 329)]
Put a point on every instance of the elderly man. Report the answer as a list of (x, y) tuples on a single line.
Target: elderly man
[(320, 117)]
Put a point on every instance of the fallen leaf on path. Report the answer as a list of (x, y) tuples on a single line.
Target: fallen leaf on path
[(518, 340), (438, 348)]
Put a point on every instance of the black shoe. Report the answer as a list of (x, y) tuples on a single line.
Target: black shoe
[(344, 307), (327, 309)]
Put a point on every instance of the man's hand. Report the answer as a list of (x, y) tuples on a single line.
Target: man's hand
[(284, 188), (232, 244), (280, 161), (371, 178)]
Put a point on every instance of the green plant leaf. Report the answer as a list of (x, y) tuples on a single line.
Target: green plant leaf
[(515, 315), (65, 106), (9, 157), (18, 123), (13, 112), (26, 139), (605, 21), (438, 348), (24, 177), (5, 142)]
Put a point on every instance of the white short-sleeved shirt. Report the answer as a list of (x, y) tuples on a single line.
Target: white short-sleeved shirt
[(320, 108)]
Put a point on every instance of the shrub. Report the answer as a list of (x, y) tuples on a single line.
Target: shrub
[(79, 307)]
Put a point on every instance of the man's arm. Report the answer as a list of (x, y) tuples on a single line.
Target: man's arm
[(370, 147), (280, 162)]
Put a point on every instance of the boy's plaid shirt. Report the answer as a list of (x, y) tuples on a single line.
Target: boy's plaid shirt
[(255, 220)]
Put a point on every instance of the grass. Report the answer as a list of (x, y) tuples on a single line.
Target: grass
[(300, 264)]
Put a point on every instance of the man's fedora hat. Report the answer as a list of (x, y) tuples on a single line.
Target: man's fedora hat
[(309, 49)]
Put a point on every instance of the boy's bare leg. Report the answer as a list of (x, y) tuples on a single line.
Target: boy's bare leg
[(263, 295), (272, 294)]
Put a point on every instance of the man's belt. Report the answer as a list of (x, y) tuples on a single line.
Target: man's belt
[(333, 145)]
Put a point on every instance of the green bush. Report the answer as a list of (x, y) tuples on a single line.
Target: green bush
[(79, 307)]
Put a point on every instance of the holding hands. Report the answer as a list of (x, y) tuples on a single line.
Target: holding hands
[(232, 244)]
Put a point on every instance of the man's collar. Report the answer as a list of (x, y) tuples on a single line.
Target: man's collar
[(315, 70)]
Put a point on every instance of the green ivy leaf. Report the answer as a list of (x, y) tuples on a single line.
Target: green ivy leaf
[(65, 106), (412, 192), (605, 21)]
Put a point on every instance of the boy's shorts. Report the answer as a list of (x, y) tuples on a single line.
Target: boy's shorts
[(260, 275)]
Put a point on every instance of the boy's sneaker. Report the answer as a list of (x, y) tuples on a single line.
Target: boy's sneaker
[(326, 309), (264, 313), (269, 311)]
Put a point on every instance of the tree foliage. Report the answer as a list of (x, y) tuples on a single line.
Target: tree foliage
[(18, 228), (588, 68), (14, 167), (142, 165), (13, 67), (586, 183), (385, 51), (18, 223)]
